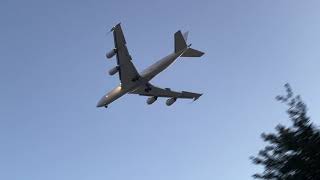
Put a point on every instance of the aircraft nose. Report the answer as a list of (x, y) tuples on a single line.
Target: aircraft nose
[(102, 102)]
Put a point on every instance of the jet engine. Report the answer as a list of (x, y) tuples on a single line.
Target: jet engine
[(170, 101), (111, 53), (114, 70), (151, 100)]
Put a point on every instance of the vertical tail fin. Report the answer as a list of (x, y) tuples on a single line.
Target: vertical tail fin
[(180, 44)]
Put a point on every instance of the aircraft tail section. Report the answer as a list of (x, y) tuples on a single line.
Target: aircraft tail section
[(192, 53), (180, 44)]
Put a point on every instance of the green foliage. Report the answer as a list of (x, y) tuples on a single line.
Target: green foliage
[(292, 153)]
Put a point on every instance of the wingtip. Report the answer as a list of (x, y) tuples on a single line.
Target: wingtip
[(197, 97), (114, 27)]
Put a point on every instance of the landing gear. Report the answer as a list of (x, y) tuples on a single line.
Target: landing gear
[(135, 79), (106, 106), (148, 88)]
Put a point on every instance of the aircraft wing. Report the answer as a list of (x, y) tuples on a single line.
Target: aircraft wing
[(127, 71), (151, 90)]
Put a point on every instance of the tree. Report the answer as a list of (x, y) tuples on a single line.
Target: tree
[(292, 153)]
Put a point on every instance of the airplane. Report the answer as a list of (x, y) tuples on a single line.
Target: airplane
[(133, 82)]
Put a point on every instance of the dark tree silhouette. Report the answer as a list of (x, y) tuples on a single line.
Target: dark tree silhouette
[(292, 153)]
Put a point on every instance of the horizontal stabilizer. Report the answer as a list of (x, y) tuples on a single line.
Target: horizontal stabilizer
[(192, 53)]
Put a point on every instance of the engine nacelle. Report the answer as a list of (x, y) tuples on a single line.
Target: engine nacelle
[(111, 53), (151, 100), (114, 70), (170, 101)]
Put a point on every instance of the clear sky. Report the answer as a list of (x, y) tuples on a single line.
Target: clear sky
[(53, 72)]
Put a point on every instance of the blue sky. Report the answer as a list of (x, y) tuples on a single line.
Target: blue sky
[(53, 72)]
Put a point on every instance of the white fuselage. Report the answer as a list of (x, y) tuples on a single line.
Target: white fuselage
[(145, 77)]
